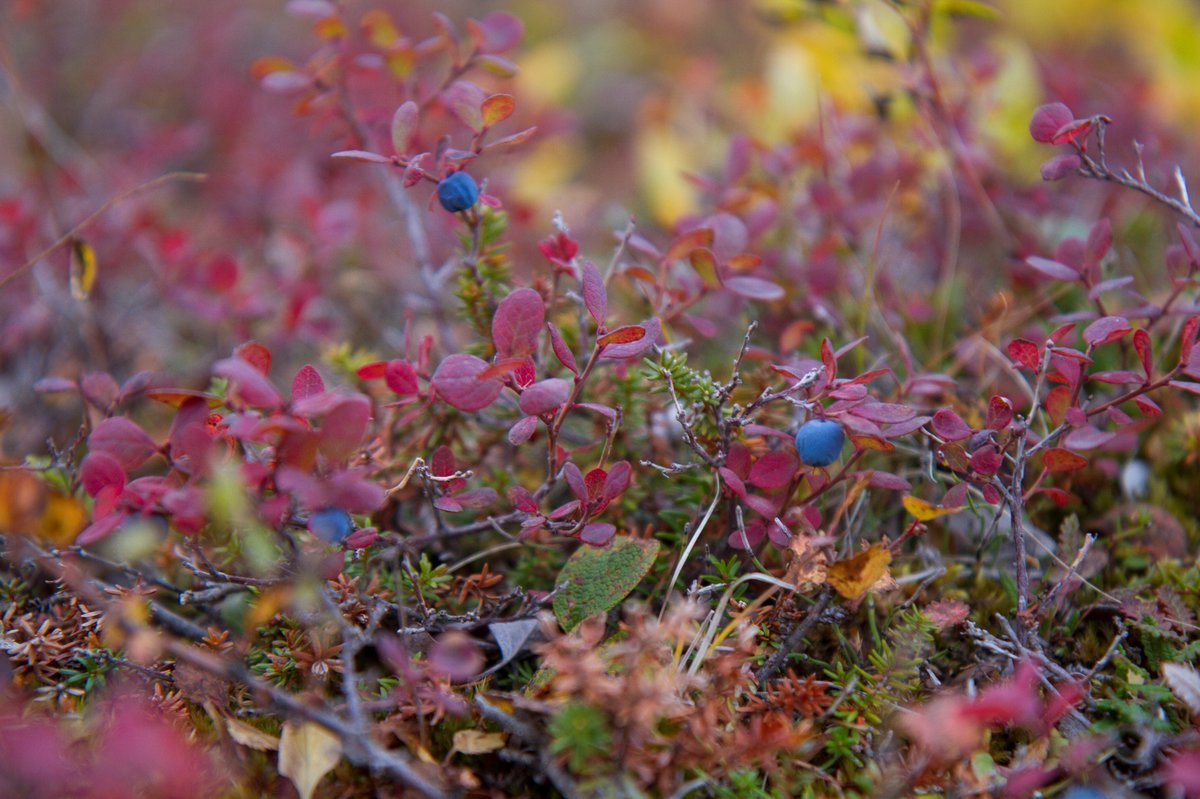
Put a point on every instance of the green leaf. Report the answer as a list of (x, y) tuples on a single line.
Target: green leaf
[(600, 577)]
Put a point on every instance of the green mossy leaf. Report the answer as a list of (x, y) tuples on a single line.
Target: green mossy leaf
[(600, 577)]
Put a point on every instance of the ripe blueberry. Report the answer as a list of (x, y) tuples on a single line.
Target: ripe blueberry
[(819, 441), (457, 192), (330, 524)]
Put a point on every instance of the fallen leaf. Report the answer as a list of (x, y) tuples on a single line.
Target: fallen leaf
[(809, 564), (307, 752), (250, 736), (1185, 683), (854, 577), (478, 742)]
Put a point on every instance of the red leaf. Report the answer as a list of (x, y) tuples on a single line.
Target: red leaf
[(53, 385), (1087, 437), (986, 460), (1050, 268), (1062, 460), (247, 383), (753, 288), (518, 320), (372, 371), (999, 413), (124, 441), (465, 99), (1047, 120), (1025, 353), (1109, 285), (1060, 166), (401, 378), (597, 534), (828, 360), (404, 124), (1058, 401), (99, 388), (362, 155), (456, 381), (884, 412), (1148, 407), (1119, 377), (497, 32), (603, 410), (515, 139), (949, 426), (561, 350), (257, 355), (522, 430), (682, 246), (522, 500), (1187, 341), (623, 335), (1105, 330), (99, 470), (615, 351), (1072, 130), (343, 427), (773, 470), (574, 479), (904, 428), (307, 383), (497, 108), (889, 481), (594, 295), (1186, 385), (616, 481), (1144, 349), (544, 396), (101, 528)]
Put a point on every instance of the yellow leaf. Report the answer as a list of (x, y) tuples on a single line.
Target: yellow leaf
[(83, 269), (856, 576), (478, 742), (64, 518), (250, 736), (307, 752), (925, 511)]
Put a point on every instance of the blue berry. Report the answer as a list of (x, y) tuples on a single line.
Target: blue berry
[(819, 442), (457, 192), (330, 524)]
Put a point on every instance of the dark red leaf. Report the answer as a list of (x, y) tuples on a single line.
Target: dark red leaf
[(905, 428), (1148, 407), (1143, 347), (456, 381), (616, 351), (1118, 377), (1058, 402), (99, 388), (521, 431), (561, 350), (343, 427), (595, 296), (518, 320), (99, 470), (100, 528), (753, 288), (949, 426), (1087, 437), (773, 470), (124, 441), (371, 371), (986, 460), (307, 383), (1054, 269), (247, 383), (597, 534), (1047, 120), (544, 396), (1186, 386), (889, 481), (1060, 166), (1187, 343), (1105, 330), (1072, 130), (883, 412), (616, 481), (999, 413)]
